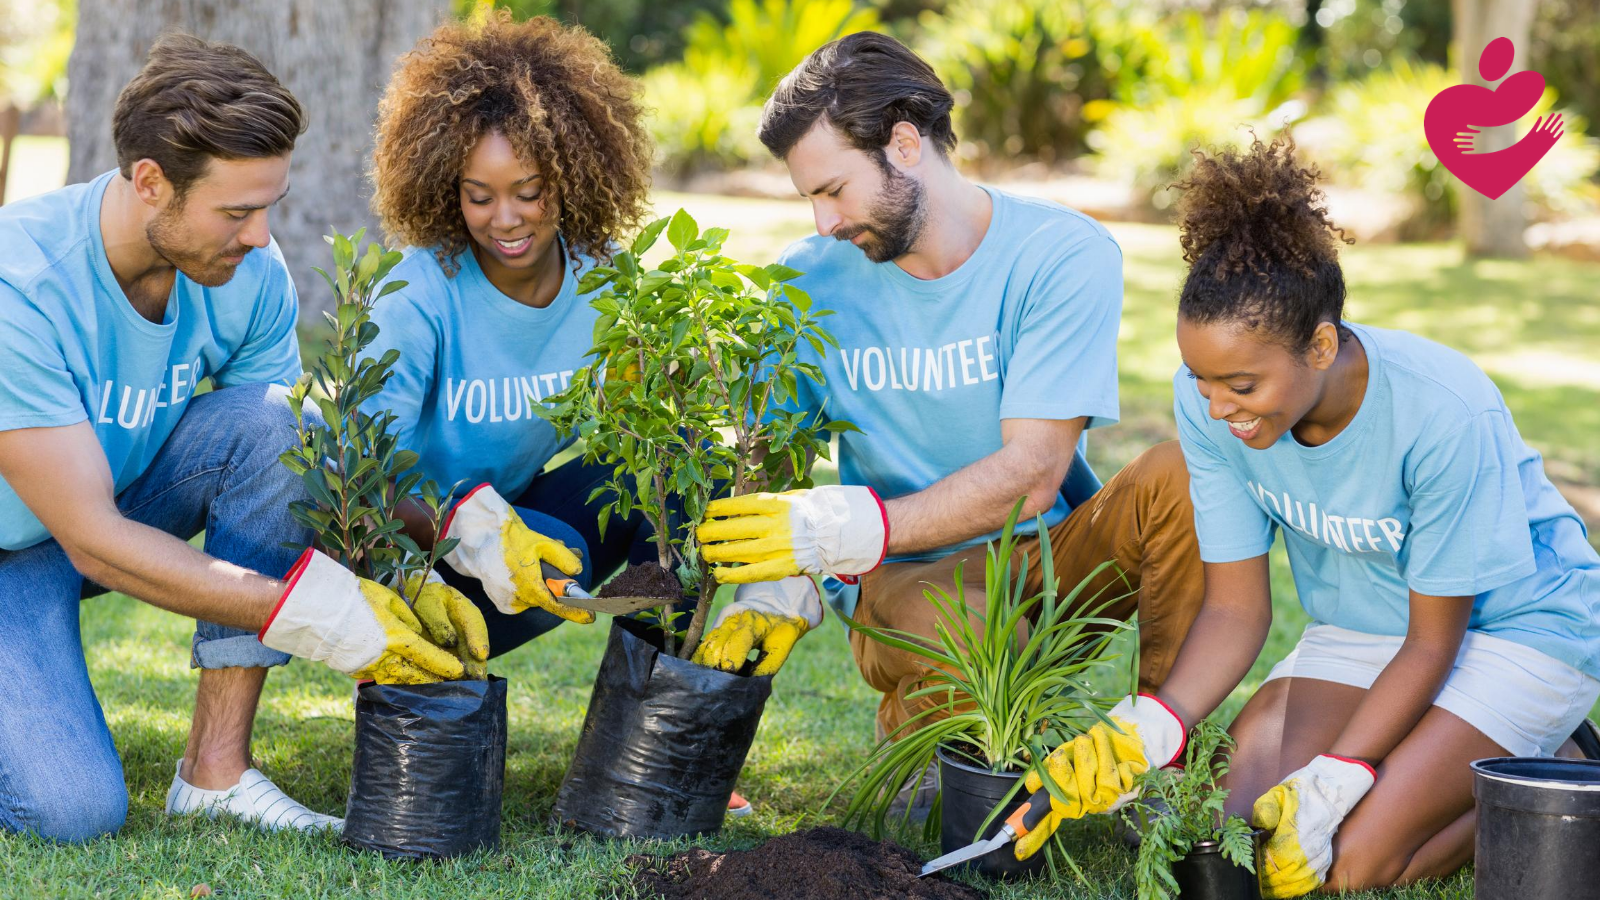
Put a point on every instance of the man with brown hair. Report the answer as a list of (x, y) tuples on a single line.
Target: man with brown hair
[(977, 339), (117, 299)]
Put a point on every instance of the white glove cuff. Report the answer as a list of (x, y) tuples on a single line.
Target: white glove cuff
[(1160, 730), (323, 616), (477, 523), (1341, 781), (481, 510), (794, 597), (852, 529)]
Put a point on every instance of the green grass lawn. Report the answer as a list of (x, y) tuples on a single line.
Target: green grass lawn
[(1528, 323)]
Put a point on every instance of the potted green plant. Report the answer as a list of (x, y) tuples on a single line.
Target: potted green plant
[(1189, 847), (429, 758), (1004, 686), (693, 361)]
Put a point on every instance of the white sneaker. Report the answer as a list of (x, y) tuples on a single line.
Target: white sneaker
[(255, 799)]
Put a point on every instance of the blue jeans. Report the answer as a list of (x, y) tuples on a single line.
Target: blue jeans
[(60, 776), (557, 505)]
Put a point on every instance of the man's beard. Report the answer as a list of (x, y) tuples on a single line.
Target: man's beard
[(895, 217), (167, 239)]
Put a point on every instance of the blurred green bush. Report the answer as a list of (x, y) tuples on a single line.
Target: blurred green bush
[(707, 106), (1028, 74), (1203, 80)]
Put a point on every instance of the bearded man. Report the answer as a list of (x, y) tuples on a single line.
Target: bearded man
[(977, 343)]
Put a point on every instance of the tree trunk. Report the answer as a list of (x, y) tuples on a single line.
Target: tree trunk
[(10, 119), (335, 56), (1492, 227)]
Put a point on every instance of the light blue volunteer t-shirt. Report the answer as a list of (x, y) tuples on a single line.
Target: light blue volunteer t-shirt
[(1429, 488), (1026, 328), (472, 360), (72, 348)]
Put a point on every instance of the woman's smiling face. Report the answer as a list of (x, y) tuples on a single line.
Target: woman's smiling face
[(505, 203), (1252, 381)]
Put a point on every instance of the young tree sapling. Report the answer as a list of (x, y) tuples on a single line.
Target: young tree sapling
[(694, 359)]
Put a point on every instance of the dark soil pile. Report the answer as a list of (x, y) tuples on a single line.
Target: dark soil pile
[(816, 864), (644, 580)]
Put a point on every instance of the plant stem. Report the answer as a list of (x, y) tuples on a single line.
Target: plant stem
[(702, 606)]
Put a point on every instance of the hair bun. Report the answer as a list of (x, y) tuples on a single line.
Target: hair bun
[(1247, 211)]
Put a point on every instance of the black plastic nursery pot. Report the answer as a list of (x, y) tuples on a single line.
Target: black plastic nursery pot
[(1538, 829), (429, 768), (1205, 874), (968, 795), (662, 743)]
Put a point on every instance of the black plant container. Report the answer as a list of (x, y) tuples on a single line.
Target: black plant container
[(662, 743), (1205, 874), (968, 795), (429, 769), (1538, 829)]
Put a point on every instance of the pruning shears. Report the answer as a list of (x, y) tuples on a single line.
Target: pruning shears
[(1026, 818)]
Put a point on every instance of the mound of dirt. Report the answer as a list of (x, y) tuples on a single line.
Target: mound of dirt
[(644, 580), (816, 864)]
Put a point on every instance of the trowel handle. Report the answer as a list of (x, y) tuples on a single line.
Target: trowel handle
[(1030, 814), (560, 583)]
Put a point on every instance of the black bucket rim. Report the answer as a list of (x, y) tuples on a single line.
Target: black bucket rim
[(948, 757), (1484, 768), (1207, 847)]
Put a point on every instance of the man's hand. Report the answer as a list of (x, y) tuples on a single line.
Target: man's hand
[(1096, 770), (496, 548), (452, 622), (768, 616), (1301, 815), (831, 530), (356, 626)]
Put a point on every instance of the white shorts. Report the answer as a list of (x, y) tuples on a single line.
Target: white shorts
[(1523, 700)]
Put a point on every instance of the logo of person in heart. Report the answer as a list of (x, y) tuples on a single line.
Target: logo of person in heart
[(1456, 113)]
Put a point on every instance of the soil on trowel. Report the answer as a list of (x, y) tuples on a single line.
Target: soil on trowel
[(816, 864), (644, 580)]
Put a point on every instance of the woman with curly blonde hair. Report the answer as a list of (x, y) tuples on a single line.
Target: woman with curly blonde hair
[(510, 158)]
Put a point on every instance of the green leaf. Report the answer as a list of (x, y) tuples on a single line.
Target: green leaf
[(681, 230), (316, 482), (647, 237)]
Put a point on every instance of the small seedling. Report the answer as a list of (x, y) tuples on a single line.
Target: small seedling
[(354, 473), (1184, 809), (694, 360), (1003, 686)]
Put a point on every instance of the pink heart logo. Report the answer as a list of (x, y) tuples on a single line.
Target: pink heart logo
[(1456, 113)]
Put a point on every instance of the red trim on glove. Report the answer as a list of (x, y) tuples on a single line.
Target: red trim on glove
[(292, 577), (884, 512), (1183, 730), (444, 529), (1355, 762)]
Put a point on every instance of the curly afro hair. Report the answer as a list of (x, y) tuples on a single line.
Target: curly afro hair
[(557, 97), (1260, 247)]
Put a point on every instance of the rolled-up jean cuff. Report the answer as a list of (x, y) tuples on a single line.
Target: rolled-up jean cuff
[(220, 647)]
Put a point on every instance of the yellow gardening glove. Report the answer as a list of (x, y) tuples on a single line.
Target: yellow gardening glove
[(495, 547), (452, 622), (767, 617), (831, 530), (1301, 815), (356, 626), (1096, 771)]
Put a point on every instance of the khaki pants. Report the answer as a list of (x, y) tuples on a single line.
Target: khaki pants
[(1142, 519)]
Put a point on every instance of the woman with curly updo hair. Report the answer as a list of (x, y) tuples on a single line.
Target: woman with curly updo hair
[(1454, 599), (510, 159)]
